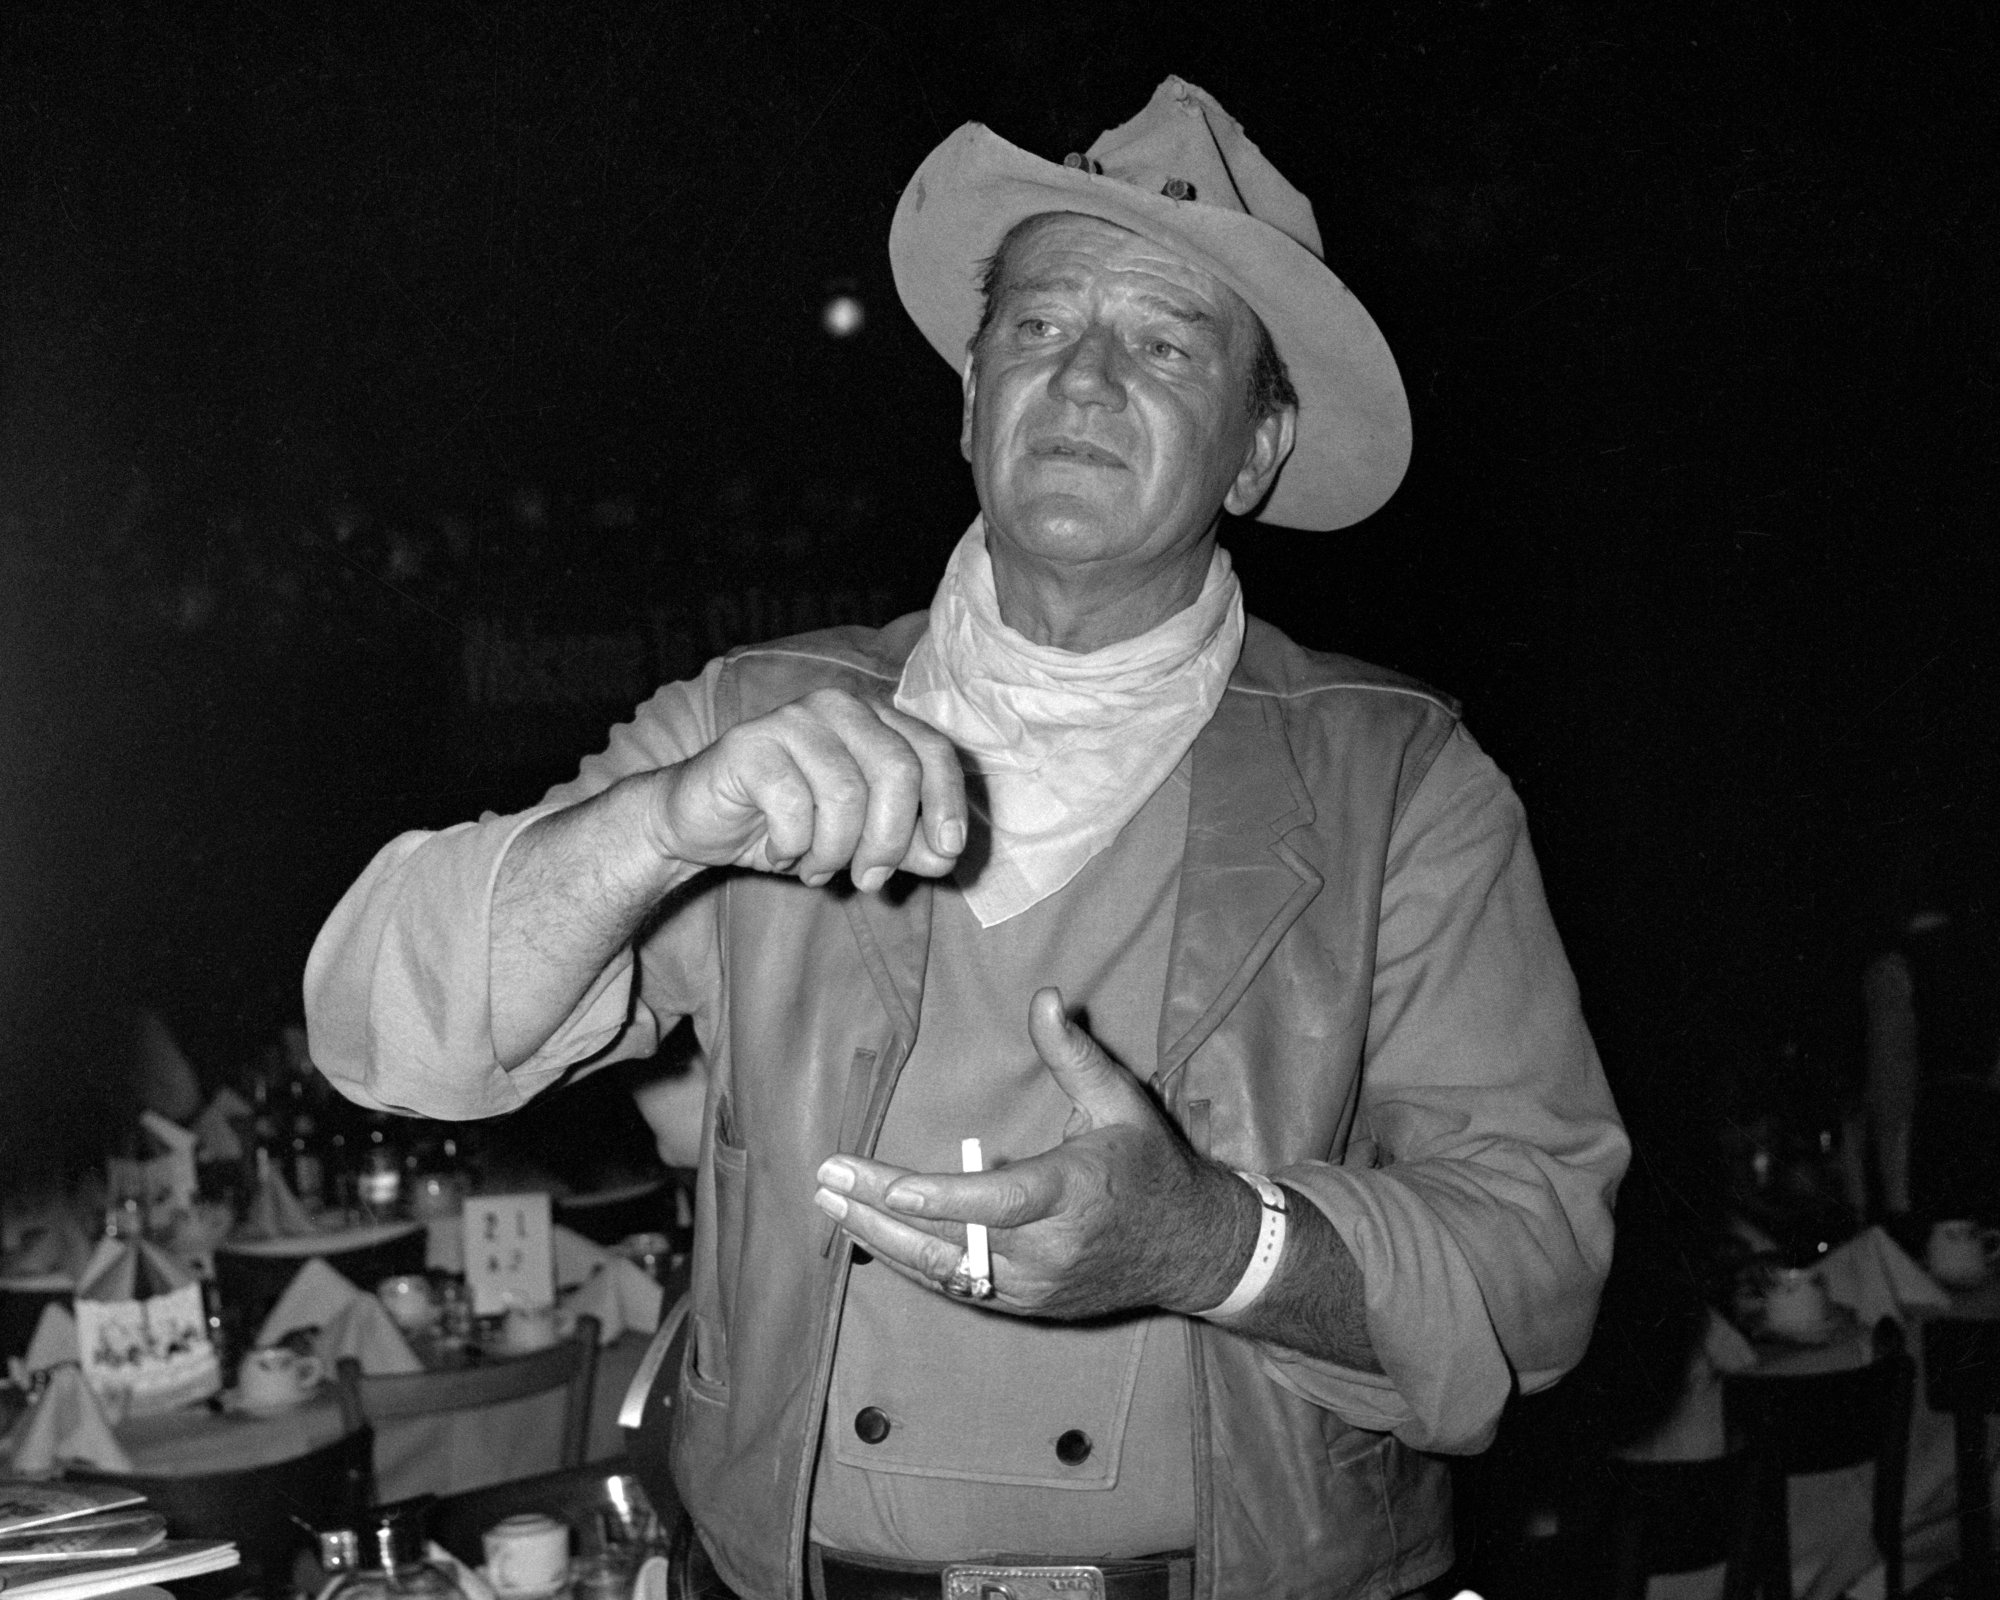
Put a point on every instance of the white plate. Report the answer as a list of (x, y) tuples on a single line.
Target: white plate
[(323, 1244), (37, 1282), (611, 1197)]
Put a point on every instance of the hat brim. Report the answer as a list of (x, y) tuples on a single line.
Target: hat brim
[(1353, 442)]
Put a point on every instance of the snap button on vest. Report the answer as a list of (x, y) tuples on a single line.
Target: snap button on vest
[(1073, 1448), (873, 1426)]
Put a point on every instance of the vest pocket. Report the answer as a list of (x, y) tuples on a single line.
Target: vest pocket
[(732, 1174)]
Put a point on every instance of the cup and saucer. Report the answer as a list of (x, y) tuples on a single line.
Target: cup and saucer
[(274, 1378), (527, 1557), (1961, 1254), (1797, 1310)]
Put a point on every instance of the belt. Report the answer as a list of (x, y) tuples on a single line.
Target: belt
[(840, 1575)]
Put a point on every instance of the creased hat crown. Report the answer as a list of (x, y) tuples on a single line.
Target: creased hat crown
[(1184, 137)]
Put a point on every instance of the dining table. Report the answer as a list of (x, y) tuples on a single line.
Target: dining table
[(444, 1453), (1833, 1551), (440, 1454)]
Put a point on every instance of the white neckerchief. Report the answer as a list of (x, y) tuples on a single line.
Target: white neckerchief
[(1070, 746)]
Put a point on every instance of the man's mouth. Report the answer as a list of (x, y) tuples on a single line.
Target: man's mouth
[(1063, 448)]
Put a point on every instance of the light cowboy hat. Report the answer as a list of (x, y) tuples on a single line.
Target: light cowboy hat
[(1183, 175)]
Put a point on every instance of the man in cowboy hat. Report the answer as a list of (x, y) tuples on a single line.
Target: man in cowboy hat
[(1233, 956)]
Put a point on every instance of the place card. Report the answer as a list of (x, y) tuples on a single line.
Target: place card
[(509, 1256)]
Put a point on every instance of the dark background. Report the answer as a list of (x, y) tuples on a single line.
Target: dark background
[(342, 342)]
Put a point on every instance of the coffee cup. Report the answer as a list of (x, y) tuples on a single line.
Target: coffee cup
[(527, 1555), (274, 1377), (1961, 1252), (528, 1328), (1795, 1302), (410, 1302)]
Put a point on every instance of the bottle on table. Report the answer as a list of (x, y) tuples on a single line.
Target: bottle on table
[(379, 1179), (305, 1156), (382, 1559)]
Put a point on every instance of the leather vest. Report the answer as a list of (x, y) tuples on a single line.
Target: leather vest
[(1297, 782)]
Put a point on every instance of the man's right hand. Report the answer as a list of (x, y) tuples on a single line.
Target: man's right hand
[(826, 782)]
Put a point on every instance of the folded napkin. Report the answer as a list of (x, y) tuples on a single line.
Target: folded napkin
[(274, 1211), (350, 1321), (215, 1130), (57, 1246), (192, 1237), (622, 1298), (364, 1330), (54, 1341), (576, 1257), (1872, 1274), (65, 1426), (166, 1076), (130, 1269), (471, 1581)]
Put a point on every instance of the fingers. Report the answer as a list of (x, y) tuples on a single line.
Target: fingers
[(826, 783), (1098, 1086), (919, 1252), (851, 1191), (935, 850)]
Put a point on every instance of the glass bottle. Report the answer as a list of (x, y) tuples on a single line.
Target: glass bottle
[(379, 1184), (306, 1166), (385, 1558)]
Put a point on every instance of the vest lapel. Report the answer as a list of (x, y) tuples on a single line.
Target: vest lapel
[(1242, 886)]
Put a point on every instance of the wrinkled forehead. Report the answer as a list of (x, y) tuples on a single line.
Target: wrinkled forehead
[(1051, 242)]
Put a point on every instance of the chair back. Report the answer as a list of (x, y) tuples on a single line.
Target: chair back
[(1816, 1422), (1962, 1377), (267, 1510), (1680, 1516), (571, 1494), (647, 1412), (570, 1365)]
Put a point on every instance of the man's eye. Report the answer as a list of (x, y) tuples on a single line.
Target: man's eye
[(1036, 327), (1165, 351)]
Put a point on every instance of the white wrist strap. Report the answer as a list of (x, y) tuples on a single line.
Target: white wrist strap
[(1264, 1259)]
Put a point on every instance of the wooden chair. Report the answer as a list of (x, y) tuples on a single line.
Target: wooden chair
[(1962, 1377), (1680, 1516), (267, 1510), (646, 1413), (570, 1365), (1815, 1423), (575, 1495)]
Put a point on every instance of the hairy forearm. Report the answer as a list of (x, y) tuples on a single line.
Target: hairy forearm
[(571, 892), (1313, 1303)]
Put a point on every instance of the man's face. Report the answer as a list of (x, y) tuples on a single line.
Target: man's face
[(1105, 409)]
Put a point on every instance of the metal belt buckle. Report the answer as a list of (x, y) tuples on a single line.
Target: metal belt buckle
[(975, 1580)]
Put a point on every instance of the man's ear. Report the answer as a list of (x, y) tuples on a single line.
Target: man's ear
[(1270, 443), (971, 387)]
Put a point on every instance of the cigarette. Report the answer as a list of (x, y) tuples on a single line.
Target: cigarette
[(978, 1263)]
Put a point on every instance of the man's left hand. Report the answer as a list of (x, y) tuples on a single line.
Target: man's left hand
[(1121, 1214)]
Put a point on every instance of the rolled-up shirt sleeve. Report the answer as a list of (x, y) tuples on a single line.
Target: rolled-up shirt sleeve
[(398, 985), (1476, 1197)]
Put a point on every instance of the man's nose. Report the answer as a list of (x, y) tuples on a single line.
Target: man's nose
[(1092, 371)]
